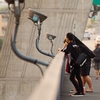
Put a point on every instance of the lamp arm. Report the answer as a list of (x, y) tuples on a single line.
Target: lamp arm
[(51, 46), (20, 55), (37, 41), (45, 53)]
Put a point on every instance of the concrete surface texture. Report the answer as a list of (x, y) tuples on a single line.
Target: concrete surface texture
[(17, 77), (67, 86)]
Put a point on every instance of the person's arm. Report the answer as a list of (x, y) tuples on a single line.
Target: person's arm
[(64, 47), (68, 49)]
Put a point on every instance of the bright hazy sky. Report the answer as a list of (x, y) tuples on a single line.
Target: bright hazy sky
[(3, 3)]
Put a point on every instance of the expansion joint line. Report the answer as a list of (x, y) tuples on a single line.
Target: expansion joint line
[(82, 10)]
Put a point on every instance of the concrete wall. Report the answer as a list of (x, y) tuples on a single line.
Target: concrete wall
[(17, 77), (3, 23)]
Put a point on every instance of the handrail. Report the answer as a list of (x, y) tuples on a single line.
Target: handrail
[(50, 85)]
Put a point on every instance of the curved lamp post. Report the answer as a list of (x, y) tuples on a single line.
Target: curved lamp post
[(37, 18), (14, 34), (51, 38)]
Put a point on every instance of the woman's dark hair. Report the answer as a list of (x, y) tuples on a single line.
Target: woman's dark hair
[(64, 41), (70, 36), (97, 45)]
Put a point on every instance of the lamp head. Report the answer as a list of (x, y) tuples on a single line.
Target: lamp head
[(12, 1), (51, 37), (35, 16)]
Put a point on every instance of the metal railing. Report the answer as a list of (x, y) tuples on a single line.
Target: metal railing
[(50, 85)]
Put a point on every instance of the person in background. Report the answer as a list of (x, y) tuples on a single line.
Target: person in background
[(85, 69), (63, 47), (85, 72), (97, 60), (68, 57), (72, 48)]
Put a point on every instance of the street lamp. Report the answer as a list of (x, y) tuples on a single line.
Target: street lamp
[(12, 1), (37, 18), (95, 11), (16, 10), (14, 34), (51, 38)]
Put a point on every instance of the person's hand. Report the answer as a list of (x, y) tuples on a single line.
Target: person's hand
[(65, 44), (59, 50)]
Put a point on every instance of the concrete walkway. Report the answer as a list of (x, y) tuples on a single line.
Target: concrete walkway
[(67, 86)]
